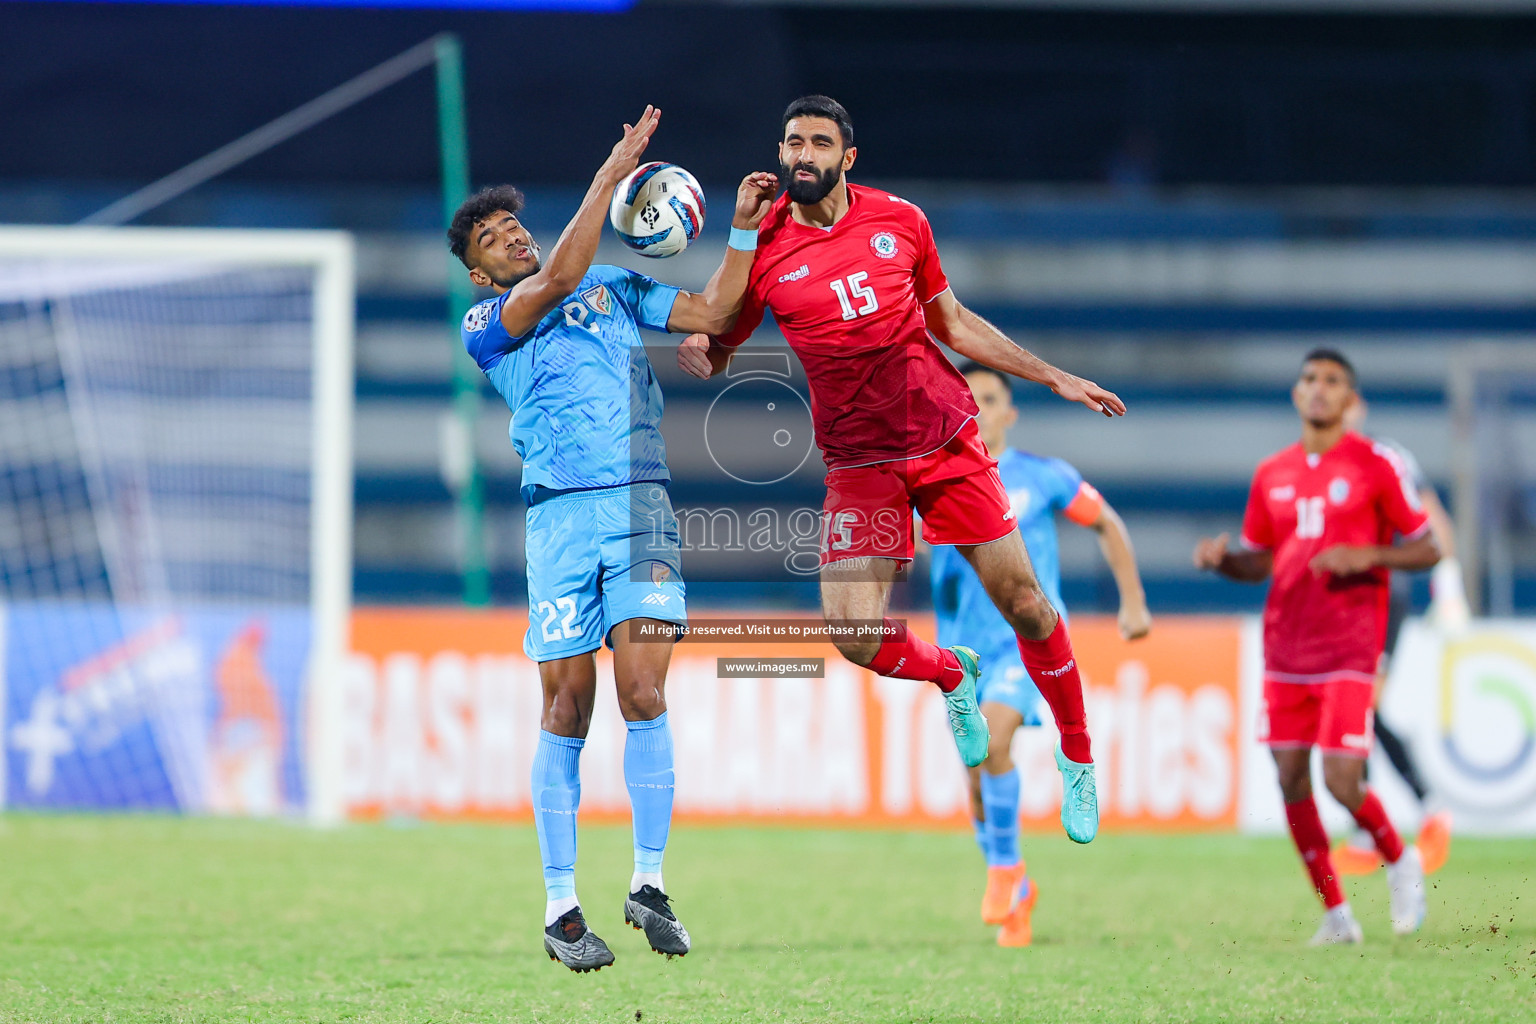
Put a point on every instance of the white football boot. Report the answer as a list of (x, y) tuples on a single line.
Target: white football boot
[(1339, 928), (1405, 886)]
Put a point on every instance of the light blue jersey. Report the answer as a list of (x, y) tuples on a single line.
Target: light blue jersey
[(1038, 488), (586, 408), (602, 541)]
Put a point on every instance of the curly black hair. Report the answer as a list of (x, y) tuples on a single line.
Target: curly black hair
[(477, 208)]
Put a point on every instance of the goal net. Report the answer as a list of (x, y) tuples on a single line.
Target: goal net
[(175, 505)]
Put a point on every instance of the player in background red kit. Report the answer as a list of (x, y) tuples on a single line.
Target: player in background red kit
[(1320, 524), (854, 282)]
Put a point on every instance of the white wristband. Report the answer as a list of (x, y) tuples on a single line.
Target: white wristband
[(1448, 609), (1445, 581)]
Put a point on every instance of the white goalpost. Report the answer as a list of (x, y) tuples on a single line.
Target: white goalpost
[(175, 517)]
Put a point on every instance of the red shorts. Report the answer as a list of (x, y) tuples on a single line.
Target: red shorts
[(956, 490), (1331, 711)]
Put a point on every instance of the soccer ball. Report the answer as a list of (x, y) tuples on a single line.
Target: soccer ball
[(658, 210)]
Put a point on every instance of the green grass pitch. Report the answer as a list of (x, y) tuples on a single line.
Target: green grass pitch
[(155, 919)]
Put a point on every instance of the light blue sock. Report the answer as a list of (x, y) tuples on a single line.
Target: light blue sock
[(556, 792), (648, 774), (981, 834), (1000, 800)]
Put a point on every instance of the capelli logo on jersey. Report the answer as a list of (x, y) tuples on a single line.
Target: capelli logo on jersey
[(796, 275), (1057, 673), (1285, 493)]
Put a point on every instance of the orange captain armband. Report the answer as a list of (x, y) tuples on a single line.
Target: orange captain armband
[(1086, 505)]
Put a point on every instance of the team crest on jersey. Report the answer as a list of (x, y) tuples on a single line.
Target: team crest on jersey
[(660, 573), (599, 299), (477, 317), (1338, 490), (884, 244)]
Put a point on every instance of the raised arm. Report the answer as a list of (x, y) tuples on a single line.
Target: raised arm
[(1211, 555), (713, 311), (974, 338), (572, 254)]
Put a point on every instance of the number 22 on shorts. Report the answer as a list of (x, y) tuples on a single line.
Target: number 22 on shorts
[(566, 628)]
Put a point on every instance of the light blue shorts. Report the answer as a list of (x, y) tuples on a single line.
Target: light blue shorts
[(1005, 681), (597, 558)]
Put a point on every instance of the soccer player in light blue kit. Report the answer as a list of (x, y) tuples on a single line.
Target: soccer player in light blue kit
[(561, 342), (1038, 488)]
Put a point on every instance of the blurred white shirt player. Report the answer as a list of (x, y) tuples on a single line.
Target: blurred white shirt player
[(1450, 614)]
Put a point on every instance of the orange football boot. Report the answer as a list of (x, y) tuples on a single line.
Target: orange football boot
[(1002, 888), (1349, 859), (1435, 841), (1017, 931)]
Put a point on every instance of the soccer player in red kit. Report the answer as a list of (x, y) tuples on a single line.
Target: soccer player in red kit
[(1320, 524), (854, 282)]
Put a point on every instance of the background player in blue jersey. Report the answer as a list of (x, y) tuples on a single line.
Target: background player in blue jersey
[(1038, 488), (561, 342)]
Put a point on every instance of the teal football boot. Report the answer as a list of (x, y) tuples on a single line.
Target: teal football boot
[(965, 718), (1079, 799)]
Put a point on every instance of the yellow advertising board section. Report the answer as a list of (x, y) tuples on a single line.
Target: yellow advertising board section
[(442, 714)]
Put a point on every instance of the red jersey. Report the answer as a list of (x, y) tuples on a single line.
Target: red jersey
[(849, 300), (1357, 492)]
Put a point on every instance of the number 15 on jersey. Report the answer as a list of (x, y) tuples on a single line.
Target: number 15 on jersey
[(853, 287)]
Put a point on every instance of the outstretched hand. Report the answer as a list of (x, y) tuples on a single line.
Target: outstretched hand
[(1086, 392), (754, 197), (626, 152)]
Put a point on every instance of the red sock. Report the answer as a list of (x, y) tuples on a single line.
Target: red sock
[(1312, 843), (904, 656), (1054, 669), (1373, 818)]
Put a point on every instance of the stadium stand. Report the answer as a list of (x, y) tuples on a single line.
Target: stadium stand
[(1211, 340)]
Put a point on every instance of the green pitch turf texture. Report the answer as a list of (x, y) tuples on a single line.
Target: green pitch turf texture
[(155, 919)]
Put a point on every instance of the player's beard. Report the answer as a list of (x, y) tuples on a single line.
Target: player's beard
[(809, 193), (511, 279)]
